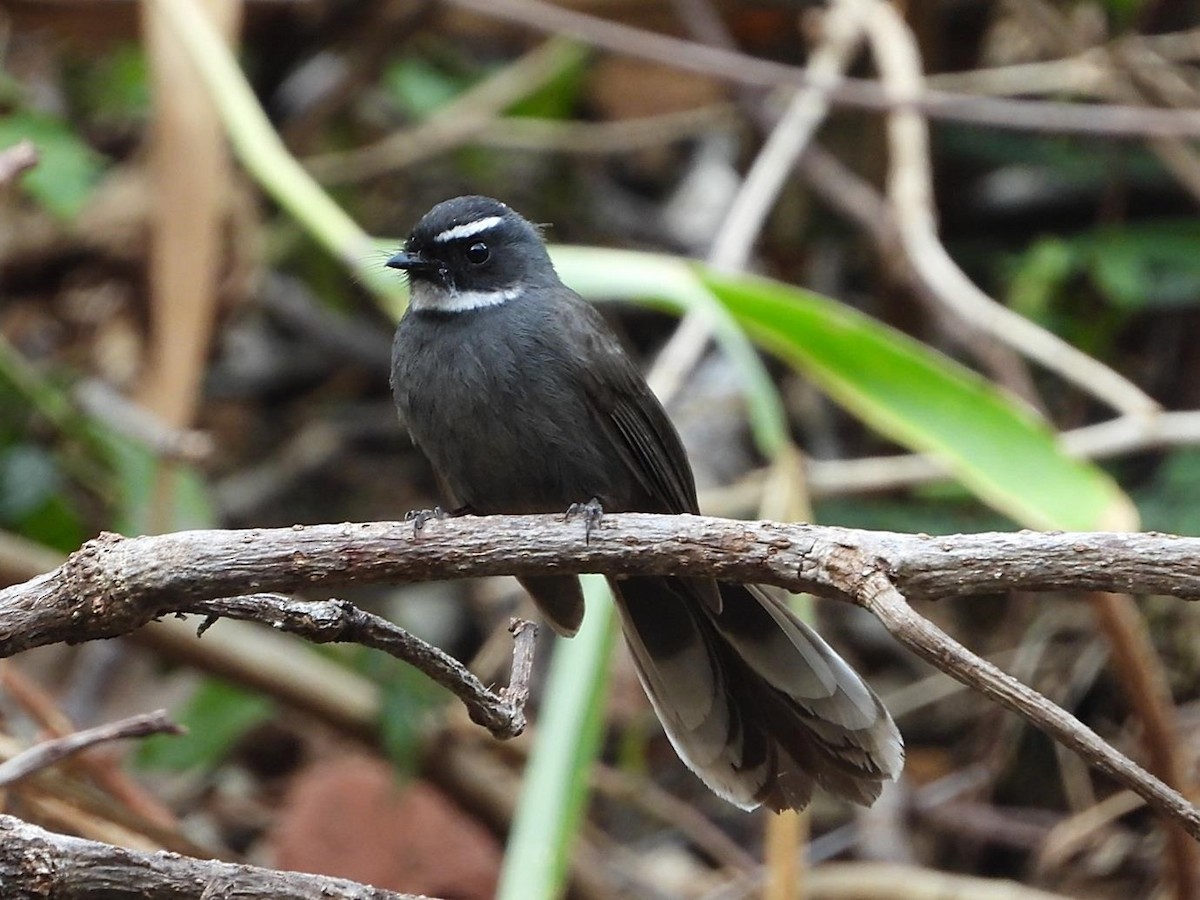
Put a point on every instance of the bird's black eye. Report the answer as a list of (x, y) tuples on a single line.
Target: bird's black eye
[(478, 253)]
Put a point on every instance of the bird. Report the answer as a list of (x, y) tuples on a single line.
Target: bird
[(524, 401)]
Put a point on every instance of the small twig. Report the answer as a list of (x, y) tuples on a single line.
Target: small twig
[(805, 112), (1070, 835), (927, 641), (1124, 434), (16, 160), (681, 815), (532, 135), (53, 751), (451, 126), (1088, 73), (336, 621), (524, 635)]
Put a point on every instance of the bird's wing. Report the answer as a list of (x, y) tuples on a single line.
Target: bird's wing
[(640, 432)]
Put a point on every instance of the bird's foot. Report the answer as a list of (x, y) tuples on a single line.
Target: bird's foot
[(592, 513), (420, 517)]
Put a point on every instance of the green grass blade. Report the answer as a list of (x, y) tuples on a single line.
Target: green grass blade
[(570, 725)]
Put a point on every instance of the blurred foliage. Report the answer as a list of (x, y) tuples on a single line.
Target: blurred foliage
[(409, 705), (1066, 161), (113, 90), (420, 88), (559, 97), (1137, 267), (34, 501), (216, 717), (68, 168), (1170, 500)]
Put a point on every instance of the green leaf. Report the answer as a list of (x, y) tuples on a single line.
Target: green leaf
[(34, 501), (67, 168), (1148, 265), (923, 400), (419, 87), (216, 717), (407, 700), (1039, 275), (558, 97)]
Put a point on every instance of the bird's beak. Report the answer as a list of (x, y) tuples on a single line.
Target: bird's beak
[(412, 262)]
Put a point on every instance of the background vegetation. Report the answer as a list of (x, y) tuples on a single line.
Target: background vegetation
[(195, 332)]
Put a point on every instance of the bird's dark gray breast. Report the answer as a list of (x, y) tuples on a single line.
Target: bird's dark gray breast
[(496, 400)]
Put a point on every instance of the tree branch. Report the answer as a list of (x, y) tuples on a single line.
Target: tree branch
[(113, 584), (39, 863)]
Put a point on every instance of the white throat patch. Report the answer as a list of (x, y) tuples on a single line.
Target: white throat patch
[(435, 298), (466, 230)]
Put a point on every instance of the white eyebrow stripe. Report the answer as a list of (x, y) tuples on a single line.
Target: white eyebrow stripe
[(466, 230)]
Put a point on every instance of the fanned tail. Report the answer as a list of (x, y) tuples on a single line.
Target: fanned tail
[(753, 700)]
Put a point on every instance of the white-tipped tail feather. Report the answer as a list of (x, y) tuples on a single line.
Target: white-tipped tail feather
[(753, 700)]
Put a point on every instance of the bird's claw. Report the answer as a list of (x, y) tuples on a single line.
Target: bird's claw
[(419, 517), (592, 513)]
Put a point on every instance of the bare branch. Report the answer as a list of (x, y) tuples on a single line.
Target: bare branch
[(39, 863), (114, 584), (336, 621), (53, 751)]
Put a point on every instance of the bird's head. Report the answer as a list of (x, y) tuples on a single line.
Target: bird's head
[(470, 253)]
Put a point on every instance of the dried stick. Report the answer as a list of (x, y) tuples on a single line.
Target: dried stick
[(102, 401), (1124, 434), (53, 751)]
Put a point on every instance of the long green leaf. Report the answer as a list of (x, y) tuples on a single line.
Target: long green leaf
[(992, 444)]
